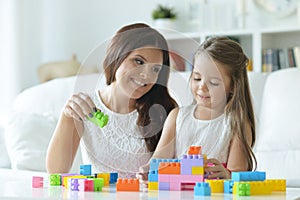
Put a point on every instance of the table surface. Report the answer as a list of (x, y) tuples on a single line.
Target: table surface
[(17, 184)]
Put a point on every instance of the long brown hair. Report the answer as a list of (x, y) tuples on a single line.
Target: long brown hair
[(239, 107), (155, 105)]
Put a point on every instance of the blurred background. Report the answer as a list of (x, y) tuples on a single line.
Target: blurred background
[(36, 33)]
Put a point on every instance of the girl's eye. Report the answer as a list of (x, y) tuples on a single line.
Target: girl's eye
[(138, 61), (156, 69), (214, 84), (197, 78)]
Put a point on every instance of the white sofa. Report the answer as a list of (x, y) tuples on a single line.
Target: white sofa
[(276, 99)]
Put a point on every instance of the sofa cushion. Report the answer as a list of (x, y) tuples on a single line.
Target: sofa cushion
[(277, 148)]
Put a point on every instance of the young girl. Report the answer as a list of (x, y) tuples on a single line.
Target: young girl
[(221, 119), (136, 100)]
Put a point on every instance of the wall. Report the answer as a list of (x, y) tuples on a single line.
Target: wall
[(53, 30)]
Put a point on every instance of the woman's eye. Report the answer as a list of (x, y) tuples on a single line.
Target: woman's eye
[(197, 79), (138, 61)]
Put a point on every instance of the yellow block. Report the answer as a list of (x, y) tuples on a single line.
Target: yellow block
[(277, 184), (216, 186), (197, 170), (105, 176), (152, 185)]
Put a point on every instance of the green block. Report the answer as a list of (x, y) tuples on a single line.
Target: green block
[(55, 179), (98, 184), (99, 119), (243, 189)]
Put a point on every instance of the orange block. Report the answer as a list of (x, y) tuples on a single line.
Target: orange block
[(124, 184), (169, 168), (194, 150)]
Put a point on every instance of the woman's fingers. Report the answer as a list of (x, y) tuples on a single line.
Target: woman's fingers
[(79, 106)]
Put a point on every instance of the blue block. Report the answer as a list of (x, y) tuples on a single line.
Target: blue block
[(248, 176), (228, 185), (113, 177), (85, 169), (153, 176), (202, 189)]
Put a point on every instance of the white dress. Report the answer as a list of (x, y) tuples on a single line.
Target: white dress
[(213, 135), (117, 147)]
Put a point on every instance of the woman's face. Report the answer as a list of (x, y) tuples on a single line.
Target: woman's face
[(210, 83), (139, 71)]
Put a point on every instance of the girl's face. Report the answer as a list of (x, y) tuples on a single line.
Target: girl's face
[(139, 71), (210, 83)]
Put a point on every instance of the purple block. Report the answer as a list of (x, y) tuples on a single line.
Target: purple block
[(163, 186), (189, 161)]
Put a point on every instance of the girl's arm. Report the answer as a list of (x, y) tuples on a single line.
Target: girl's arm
[(65, 140), (165, 147), (167, 142)]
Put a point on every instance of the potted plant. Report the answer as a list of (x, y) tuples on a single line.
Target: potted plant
[(164, 16)]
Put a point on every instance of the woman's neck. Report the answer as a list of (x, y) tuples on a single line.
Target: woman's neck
[(204, 113), (116, 101)]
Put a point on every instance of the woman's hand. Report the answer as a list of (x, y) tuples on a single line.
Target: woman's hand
[(79, 106), (215, 169), (142, 175)]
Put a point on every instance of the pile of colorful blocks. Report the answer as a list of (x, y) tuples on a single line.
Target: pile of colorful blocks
[(188, 173), (85, 181)]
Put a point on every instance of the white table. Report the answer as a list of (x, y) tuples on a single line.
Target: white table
[(17, 184)]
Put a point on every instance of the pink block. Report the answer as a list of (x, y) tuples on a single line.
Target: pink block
[(164, 177), (175, 186), (37, 182), (191, 178), (175, 178)]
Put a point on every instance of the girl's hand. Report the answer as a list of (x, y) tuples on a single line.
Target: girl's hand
[(79, 106), (216, 169), (142, 175)]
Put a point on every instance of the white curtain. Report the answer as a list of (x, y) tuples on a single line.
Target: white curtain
[(9, 75)]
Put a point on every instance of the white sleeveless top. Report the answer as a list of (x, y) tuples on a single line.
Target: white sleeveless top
[(117, 147), (213, 135)]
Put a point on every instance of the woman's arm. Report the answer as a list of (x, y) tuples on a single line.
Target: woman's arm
[(65, 140)]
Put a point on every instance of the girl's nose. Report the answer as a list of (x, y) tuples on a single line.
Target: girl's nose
[(203, 85)]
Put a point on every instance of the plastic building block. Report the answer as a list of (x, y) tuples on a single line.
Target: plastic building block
[(54, 179), (260, 188), (154, 163), (98, 118), (153, 176), (37, 182), (152, 185), (197, 170), (124, 184), (86, 185), (113, 177), (241, 188), (277, 184), (189, 161), (202, 189), (217, 186), (105, 176), (73, 184), (248, 176), (85, 169), (228, 186), (66, 179), (163, 186), (98, 184), (194, 150), (169, 168)]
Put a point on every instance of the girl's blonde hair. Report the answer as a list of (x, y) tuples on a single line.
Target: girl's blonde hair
[(239, 108)]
